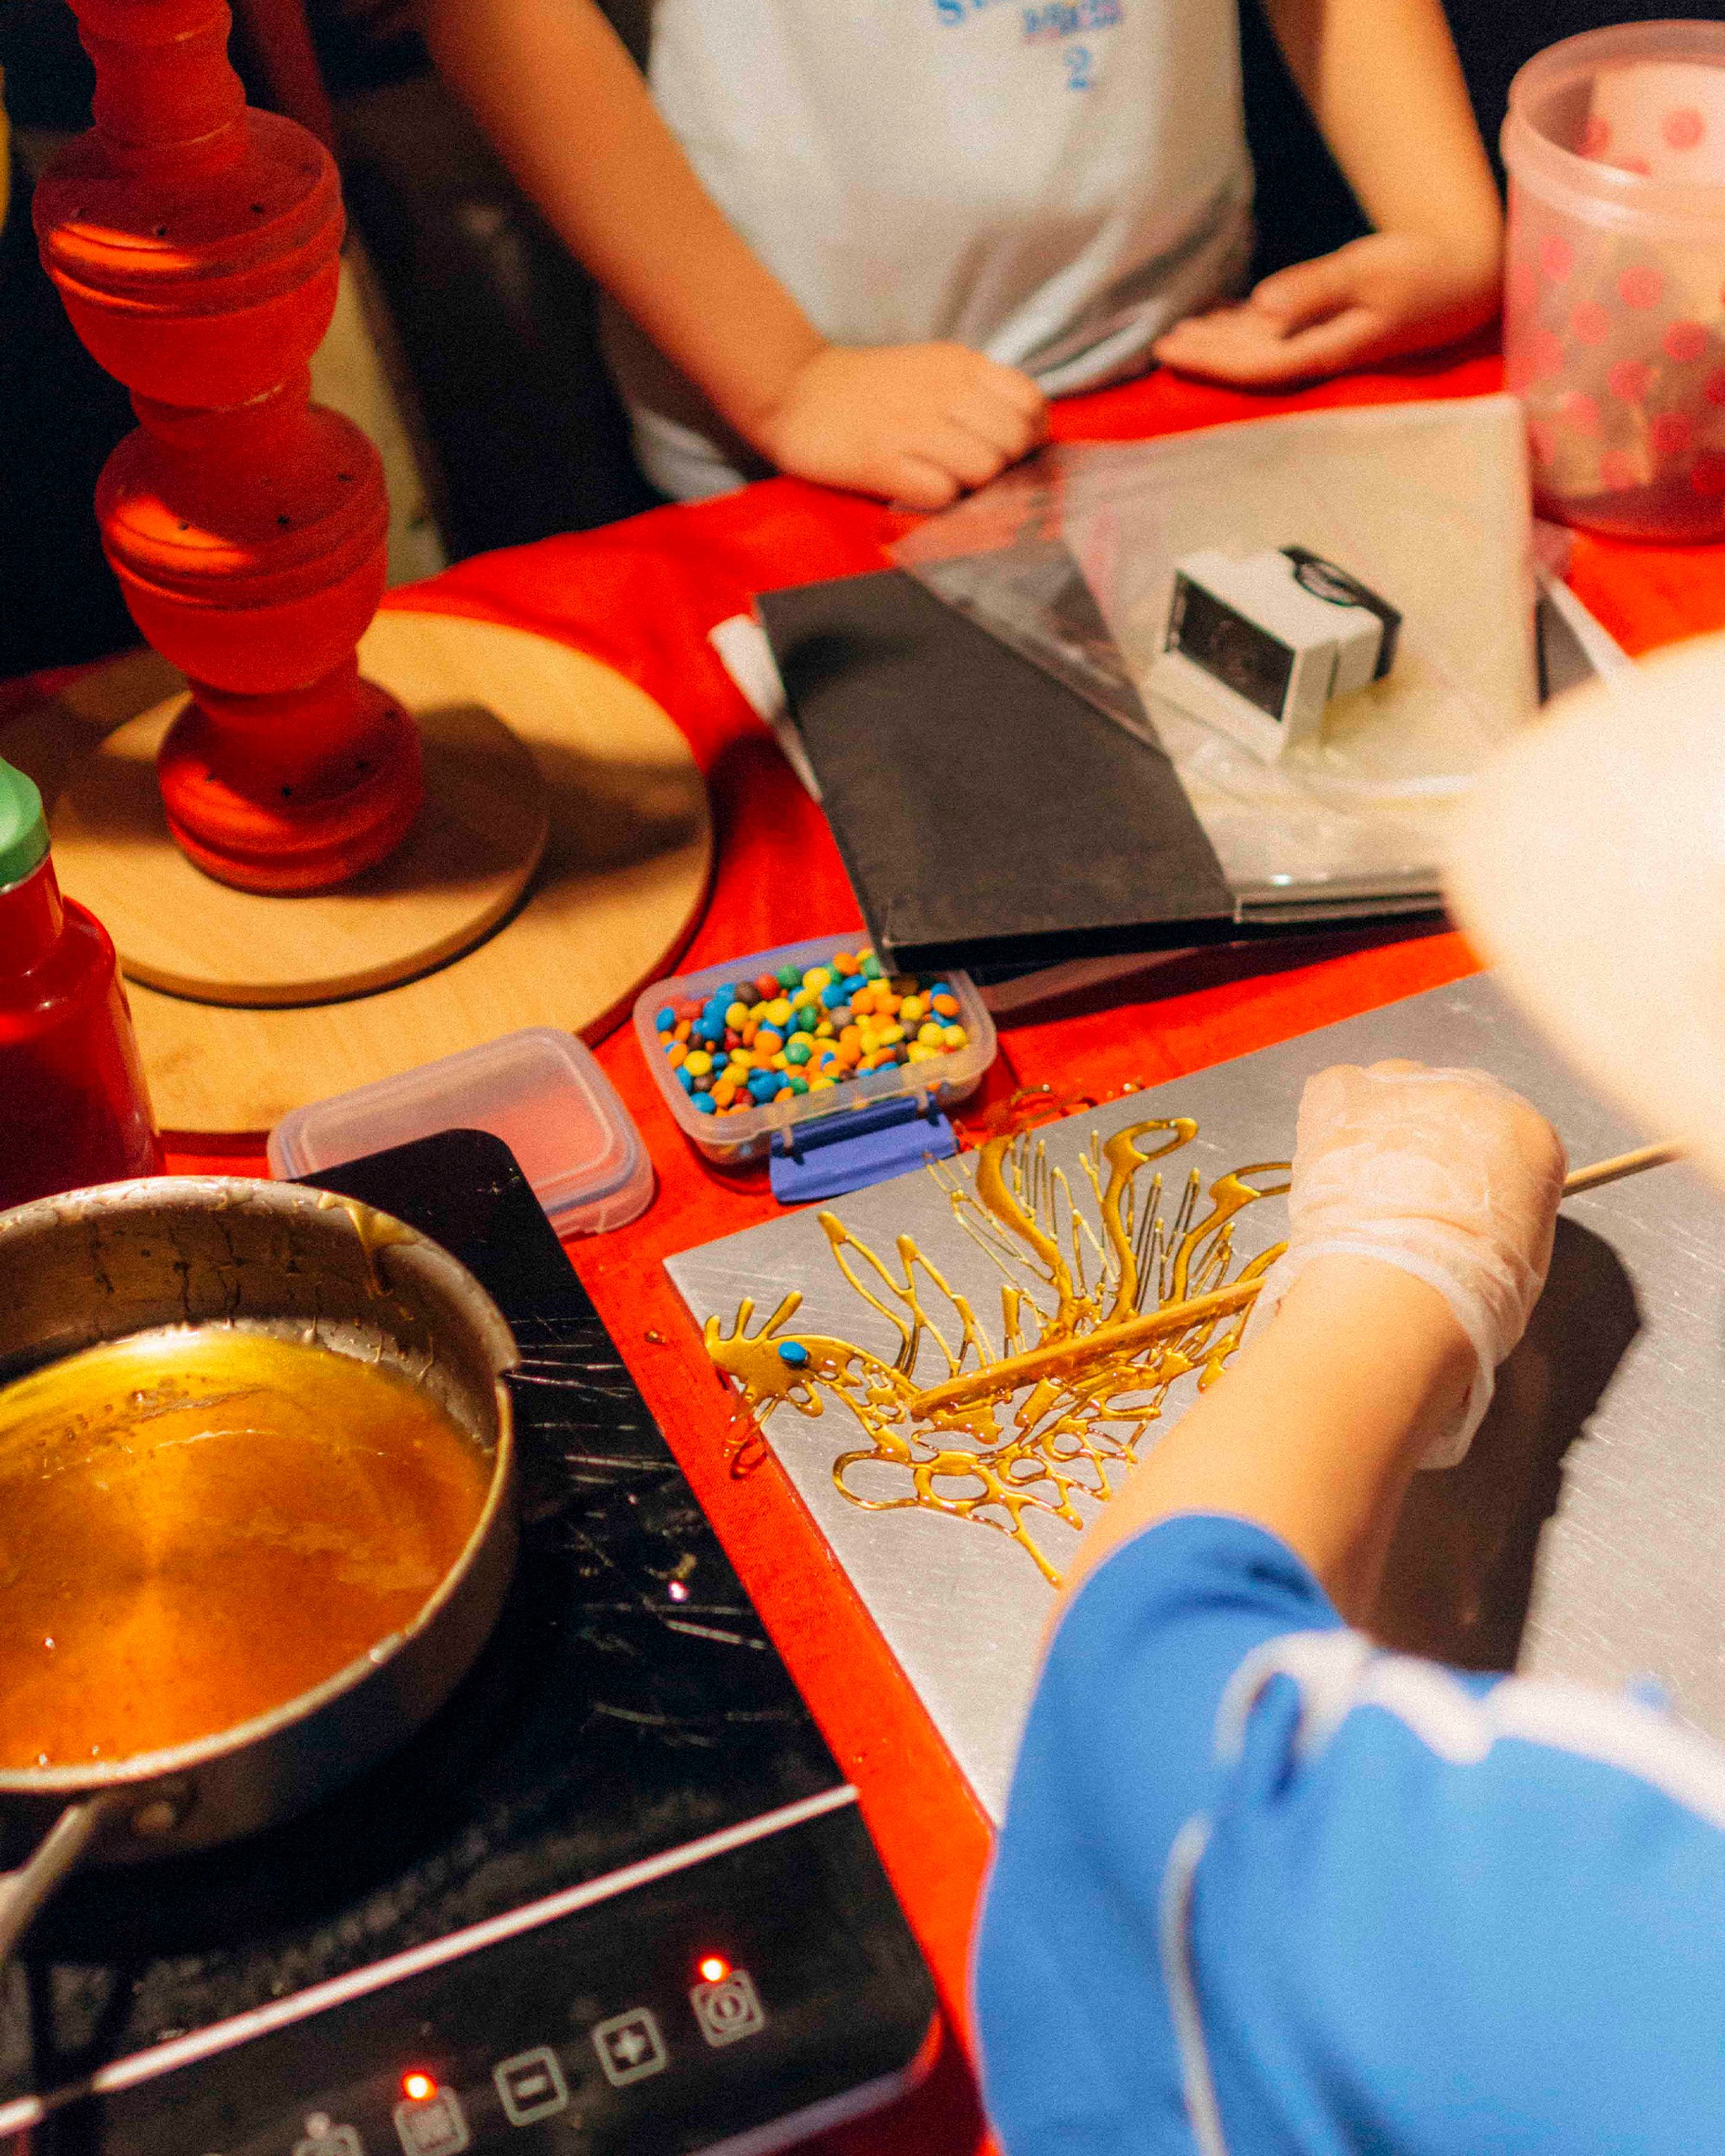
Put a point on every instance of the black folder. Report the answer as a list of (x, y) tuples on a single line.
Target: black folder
[(988, 815)]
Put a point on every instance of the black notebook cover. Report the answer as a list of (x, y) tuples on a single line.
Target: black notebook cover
[(987, 814)]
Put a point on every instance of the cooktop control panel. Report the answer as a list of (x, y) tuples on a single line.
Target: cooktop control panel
[(671, 2015)]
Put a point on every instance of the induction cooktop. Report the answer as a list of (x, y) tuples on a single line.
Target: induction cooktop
[(616, 1897)]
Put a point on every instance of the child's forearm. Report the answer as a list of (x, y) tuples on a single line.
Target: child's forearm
[(1384, 84), (1315, 1430), (558, 93)]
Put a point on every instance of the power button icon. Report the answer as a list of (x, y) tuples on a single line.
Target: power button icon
[(727, 2010)]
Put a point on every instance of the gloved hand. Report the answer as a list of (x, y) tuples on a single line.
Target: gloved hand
[(1444, 1173)]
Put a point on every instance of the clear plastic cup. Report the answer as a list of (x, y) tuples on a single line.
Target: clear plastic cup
[(1614, 333)]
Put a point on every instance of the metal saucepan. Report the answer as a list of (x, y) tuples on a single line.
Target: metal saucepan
[(101, 1265)]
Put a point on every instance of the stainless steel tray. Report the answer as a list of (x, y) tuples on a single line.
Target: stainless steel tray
[(1581, 1539)]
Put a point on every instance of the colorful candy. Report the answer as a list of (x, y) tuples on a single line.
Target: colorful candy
[(784, 1034)]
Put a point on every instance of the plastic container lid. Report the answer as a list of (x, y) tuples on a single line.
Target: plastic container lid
[(1554, 105), (540, 1090), (23, 829)]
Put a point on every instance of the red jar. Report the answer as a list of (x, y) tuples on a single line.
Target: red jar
[(73, 1110)]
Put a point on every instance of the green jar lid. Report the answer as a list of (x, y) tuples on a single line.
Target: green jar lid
[(23, 829)]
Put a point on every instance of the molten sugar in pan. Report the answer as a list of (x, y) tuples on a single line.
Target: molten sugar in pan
[(198, 1525)]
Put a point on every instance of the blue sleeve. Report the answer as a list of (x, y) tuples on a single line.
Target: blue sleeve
[(1263, 1887), (1078, 2046)]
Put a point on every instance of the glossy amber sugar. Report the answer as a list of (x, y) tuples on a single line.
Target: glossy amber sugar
[(197, 1525)]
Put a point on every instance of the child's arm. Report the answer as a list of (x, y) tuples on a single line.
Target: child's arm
[(556, 91), (1403, 1178), (1383, 82), (1254, 1871)]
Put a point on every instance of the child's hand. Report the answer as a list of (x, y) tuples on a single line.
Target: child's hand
[(917, 424), (1445, 1174), (1374, 299)]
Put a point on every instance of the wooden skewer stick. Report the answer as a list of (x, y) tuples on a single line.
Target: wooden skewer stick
[(1066, 1357), (1621, 1165)]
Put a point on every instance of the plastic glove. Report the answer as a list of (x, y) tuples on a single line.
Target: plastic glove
[(1447, 1174)]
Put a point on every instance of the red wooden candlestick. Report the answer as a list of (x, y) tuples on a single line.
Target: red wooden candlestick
[(195, 243)]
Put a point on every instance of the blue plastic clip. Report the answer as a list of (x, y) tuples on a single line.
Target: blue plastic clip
[(829, 1155)]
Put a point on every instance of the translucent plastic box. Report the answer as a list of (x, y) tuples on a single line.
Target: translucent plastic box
[(540, 1090), (1614, 333), (730, 1140)]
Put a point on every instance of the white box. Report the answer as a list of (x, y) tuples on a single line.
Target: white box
[(1259, 648)]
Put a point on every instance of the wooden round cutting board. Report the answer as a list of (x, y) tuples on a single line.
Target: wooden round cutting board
[(623, 876), (465, 862)]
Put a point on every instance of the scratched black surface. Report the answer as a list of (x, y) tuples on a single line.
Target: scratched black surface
[(608, 1718)]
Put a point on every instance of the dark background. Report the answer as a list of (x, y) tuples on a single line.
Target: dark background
[(495, 322)]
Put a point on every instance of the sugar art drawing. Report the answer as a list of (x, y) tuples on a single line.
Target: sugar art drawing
[(955, 1370), (1113, 1286)]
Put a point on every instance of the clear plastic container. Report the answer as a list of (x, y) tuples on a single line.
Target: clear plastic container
[(1615, 289), (539, 1091), (730, 1141)]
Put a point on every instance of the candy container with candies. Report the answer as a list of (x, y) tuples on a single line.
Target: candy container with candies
[(742, 1051), (804, 1030)]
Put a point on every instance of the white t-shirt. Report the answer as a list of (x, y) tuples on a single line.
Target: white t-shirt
[(1052, 182)]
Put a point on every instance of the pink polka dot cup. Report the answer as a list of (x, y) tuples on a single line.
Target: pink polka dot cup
[(1613, 313)]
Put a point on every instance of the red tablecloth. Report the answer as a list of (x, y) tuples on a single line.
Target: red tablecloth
[(641, 596)]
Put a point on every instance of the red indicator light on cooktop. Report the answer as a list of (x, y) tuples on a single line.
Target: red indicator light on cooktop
[(418, 2087), (714, 1968)]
